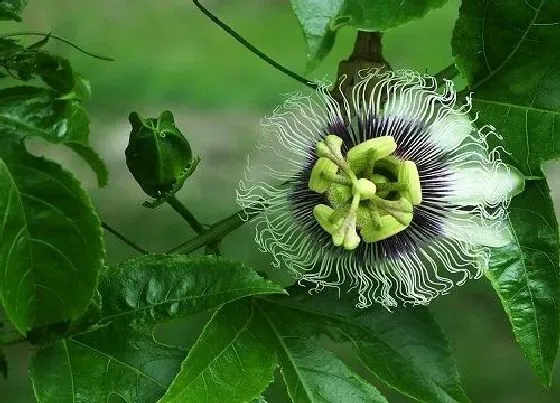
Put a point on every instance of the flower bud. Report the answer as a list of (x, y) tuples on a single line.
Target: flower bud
[(317, 182), (360, 156), (157, 155)]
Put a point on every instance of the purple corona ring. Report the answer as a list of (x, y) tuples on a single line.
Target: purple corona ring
[(391, 193)]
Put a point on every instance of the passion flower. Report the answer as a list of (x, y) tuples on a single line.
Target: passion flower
[(393, 192)]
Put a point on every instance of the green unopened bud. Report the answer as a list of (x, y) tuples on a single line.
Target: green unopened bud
[(389, 226), (157, 155), (317, 182), (361, 156), (339, 195), (408, 174), (322, 214), (364, 188)]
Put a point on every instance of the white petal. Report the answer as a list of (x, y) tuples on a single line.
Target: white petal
[(477, 183), (450, 131), (473, 229)]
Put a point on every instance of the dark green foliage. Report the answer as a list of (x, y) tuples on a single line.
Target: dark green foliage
[(505, 51)]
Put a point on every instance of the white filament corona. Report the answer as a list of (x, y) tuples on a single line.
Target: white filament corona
[(463, 211)]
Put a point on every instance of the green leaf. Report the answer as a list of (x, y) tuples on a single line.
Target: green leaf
[(93, 159), (33, 111), (51, 247), (12, 9), (311, 373), (320, 19), (404, 348), (525, 277), (504, 52), (230, 361), (120, 356)]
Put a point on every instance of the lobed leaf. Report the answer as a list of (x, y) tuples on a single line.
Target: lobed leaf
[(504, 52), (120, 356), (405, 348), (230, 361), (311, 373)]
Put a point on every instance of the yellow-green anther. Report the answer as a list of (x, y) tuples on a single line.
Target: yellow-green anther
[(388, 227), (339, 195), (317, 182), (403, 217), (364, 188), (365, 154), (330, 147), (335, 144), (322, 150), (323, 214), (408, 174)]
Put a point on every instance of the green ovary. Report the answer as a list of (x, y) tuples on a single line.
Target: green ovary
[(369, 191)]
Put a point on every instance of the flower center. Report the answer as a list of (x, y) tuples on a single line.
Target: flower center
[(370, 190)]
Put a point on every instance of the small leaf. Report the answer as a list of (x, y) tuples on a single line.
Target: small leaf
[(93, 159), (311, 373), (12, 9), (404, 348), (229, 362), (525, 277), (51, 250), (320, 19), (33, 111), (120, 355)]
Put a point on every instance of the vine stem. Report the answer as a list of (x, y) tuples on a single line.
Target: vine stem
[(123, 238), (263, 56), (186, 214), (219, 230), (63, 40)]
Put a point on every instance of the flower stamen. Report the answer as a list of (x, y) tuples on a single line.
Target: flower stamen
[(368, 190)]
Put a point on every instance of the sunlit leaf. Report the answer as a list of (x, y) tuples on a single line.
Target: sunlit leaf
[(230, 362)]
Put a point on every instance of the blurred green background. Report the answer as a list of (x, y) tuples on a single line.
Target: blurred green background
[(169, 56)]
